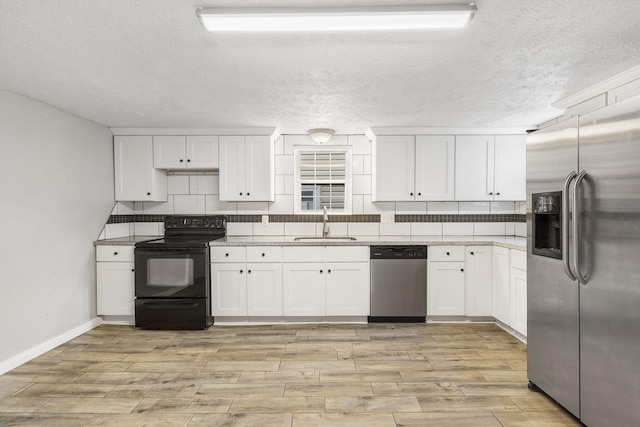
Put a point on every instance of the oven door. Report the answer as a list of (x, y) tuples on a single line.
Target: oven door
[(172, 273)]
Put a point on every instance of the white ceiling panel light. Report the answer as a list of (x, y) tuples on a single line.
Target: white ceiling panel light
[(387, 18)]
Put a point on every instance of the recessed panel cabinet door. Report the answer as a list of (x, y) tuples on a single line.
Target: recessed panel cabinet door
[(264, 289), (135, 177), (115, 288), (474, 167), (304, 289), (228, 289), (435, 165), (394, 168), (445, 289), (510, 180), (478, 277), (232, 168), (519, 300), (259, 179), (202, 152), (169, 152), (501, 285), (348, 290)]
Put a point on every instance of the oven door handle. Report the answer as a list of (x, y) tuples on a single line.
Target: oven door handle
[(171, 305)]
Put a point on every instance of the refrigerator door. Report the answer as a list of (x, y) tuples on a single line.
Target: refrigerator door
[(609, 232), (553, 311)]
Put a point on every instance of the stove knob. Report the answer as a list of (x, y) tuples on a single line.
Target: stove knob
[(207, 222)]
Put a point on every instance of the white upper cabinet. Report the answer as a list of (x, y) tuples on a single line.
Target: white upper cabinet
[(246, 168), (490, 168), (414, 168), (185, 152), (510, 179), (135, 177)]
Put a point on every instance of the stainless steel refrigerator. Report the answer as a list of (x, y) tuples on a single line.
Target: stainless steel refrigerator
[(583, 222)]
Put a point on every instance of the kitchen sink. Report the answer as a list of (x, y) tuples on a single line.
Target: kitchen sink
[(319, 238)]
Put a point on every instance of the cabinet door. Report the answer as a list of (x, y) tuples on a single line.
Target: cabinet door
[(347, 288), (115, 288), (394, 174), (478, 281), (510, 180), (304, 289), (260, 178), (501, 285), (169, 152), (202, 152), (264, 289), (135, 177), (232, 168), (445, 289), (519, 300), (435, 163), (228, 289), (474, 167)]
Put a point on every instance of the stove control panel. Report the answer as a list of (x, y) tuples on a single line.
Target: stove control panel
[(195, 222)]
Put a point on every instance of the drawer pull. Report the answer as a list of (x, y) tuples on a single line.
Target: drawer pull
[(241, 271), (115, 253), (249, 271), (448, 253), (471, 253), (320, 271), (263, 254), (462, 269), (226, 254)]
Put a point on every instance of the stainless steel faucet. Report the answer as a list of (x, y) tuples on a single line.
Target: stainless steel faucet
[(325, 223)]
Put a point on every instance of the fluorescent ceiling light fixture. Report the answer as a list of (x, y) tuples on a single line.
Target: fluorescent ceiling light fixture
[(336, 19)]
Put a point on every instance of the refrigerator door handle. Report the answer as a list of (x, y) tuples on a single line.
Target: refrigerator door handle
[(576, 226), (565, 226)]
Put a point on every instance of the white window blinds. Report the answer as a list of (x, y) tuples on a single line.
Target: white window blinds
[(322, 180)]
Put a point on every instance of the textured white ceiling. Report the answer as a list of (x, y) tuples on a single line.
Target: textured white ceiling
[(149, 63)]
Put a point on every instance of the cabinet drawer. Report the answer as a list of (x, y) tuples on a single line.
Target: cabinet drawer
[(303, 253), (347, 253), (114, 253), (446, 253), (519, 259), (228, 254), (264, 254)]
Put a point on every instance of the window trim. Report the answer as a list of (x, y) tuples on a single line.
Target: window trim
[(297, 182)]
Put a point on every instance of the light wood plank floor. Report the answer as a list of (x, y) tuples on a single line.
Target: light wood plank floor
[(381, 374)]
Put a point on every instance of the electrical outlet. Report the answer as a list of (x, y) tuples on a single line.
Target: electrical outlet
[(265, 219), (386, 217)]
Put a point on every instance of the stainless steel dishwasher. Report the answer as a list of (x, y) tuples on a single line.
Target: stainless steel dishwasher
[(398, 283)]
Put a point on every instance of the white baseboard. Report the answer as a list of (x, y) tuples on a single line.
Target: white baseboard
[(33, 352)]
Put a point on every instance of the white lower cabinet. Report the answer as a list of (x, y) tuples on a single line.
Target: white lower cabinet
[(502, 284), (519, 291), (304, 289), (347, 289), (445, 289), (478, 281), (228, 289), (115, 281), (264, 289)]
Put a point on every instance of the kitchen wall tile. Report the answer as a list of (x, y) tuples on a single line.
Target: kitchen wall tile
[(442, 208), (291, 140), (474, 208), (357, 166), (299, 228), (489, 229), (411, 208), (214, 206), (160, 208), (178, 184), (377, 207), (270, 229), (521, 229), (363, 228), (361, 184), (113, 231), (357, 204), (204, 184), (239, 228), (502, 207), (360, 144), (191, 204), (335, 229), (284, 165), (280, 184), (123, 208), (278, 146), (521, 208), (509, 229), (148, 229), (457, 229), (395, 229), (366, 162), (103, 234), (288, 184), (138, 207), (282, 205), (253, 208), (426, 228)]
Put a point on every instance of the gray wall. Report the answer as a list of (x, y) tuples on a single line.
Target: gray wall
[(56, 190)]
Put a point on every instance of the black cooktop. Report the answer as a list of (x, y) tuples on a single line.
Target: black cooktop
[(189, 231)]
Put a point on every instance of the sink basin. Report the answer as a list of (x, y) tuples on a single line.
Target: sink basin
[(297, 239)]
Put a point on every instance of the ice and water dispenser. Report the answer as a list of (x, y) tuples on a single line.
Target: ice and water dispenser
[(547, 224)]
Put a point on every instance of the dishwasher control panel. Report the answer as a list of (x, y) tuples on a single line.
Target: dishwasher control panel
[(399, 252)]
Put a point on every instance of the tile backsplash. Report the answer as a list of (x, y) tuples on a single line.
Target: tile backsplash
[(198, 193)]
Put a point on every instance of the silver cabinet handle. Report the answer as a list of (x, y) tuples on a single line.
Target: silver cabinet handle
[(576, 225), (565, 225)]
